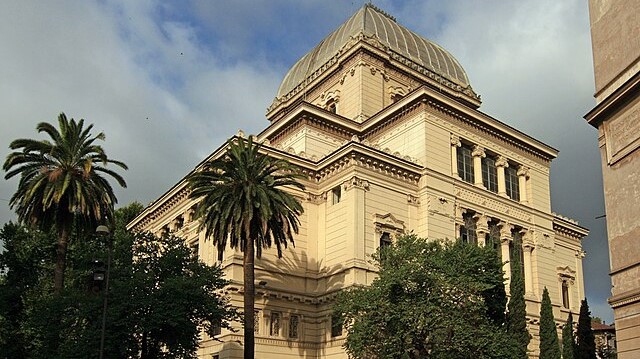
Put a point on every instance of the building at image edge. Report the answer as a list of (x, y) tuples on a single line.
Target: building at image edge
[(386, 126)]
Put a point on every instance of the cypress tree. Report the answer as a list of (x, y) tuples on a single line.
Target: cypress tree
[(516, 309), (568, 339), (549, 347), (585, 341)]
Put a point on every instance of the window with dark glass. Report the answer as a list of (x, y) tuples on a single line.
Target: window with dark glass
[(256, 322), (565, 294), (336, 195), (465, 164), (468, 229), (274, 329), (512, 184), (385, 240), (336, 325), (332, 106), (492, 238), (195, 248), (294, 322), (217, 328), (395, 97), (490, 174)]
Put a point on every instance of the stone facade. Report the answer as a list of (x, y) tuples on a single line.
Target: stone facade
[(615, 34), (389, 146)]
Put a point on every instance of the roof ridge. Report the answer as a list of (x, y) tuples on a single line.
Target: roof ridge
[(377, 9)]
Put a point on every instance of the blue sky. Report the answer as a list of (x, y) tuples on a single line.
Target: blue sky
[(168, 82)]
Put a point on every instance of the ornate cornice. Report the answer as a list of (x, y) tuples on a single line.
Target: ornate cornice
[(487, 130), (568, 227)]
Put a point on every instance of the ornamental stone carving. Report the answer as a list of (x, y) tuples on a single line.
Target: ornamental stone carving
[(478, 151), (388, 223), (356, 182), (502, 161)]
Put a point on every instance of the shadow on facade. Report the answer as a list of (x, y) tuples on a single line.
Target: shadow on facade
[(299, 285)]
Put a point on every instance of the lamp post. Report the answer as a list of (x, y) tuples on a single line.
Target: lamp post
[(103, 231)]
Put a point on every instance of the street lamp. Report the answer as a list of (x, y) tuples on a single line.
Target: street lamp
[(103, 231)]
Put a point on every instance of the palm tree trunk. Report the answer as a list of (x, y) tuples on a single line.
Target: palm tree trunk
[(61, 261), (249, 300)]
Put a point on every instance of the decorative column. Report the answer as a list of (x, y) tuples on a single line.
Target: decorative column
[(580, 254), (455, 143), (523, 176), (505, 240), (478, 154), (482, 228), (458, 219), (528, 246), (501, 164), (354, 191)]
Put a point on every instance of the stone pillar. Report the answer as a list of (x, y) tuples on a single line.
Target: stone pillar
[(580, 254), (458, 219), (455, 143), (505, 240), (354, 190), (501, 164), (528, 246), (523, 175), (478, 154), (482, 228)]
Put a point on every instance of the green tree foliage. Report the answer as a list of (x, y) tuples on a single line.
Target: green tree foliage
[(431, 300), (23, 261), (242, 199), (549, 346), (516, 309), (568, 339), (585, 339), (62, 183), (160, 298)]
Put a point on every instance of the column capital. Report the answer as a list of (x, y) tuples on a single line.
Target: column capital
[(523, 171), (580, 254), (356, 182), (505, 231), (527, 240), (478, 151), (502, 161), (455, 141)]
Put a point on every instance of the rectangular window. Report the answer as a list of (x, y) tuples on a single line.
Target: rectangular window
[(512, 184), (274, 329), (492, 238), (490, 174), (465, 164), (336, 326), (294, 322), (565, 294), (336, 195), (256, 322), (468, 229), (385, 240), (195, 248), (217, 328)]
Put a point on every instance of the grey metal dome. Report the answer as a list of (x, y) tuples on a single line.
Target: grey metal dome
[(374, 23)]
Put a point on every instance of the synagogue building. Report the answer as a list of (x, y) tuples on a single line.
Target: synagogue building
[(387, 128)]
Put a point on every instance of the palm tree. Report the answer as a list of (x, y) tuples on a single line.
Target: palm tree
[(62, 183), (243, 201)]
